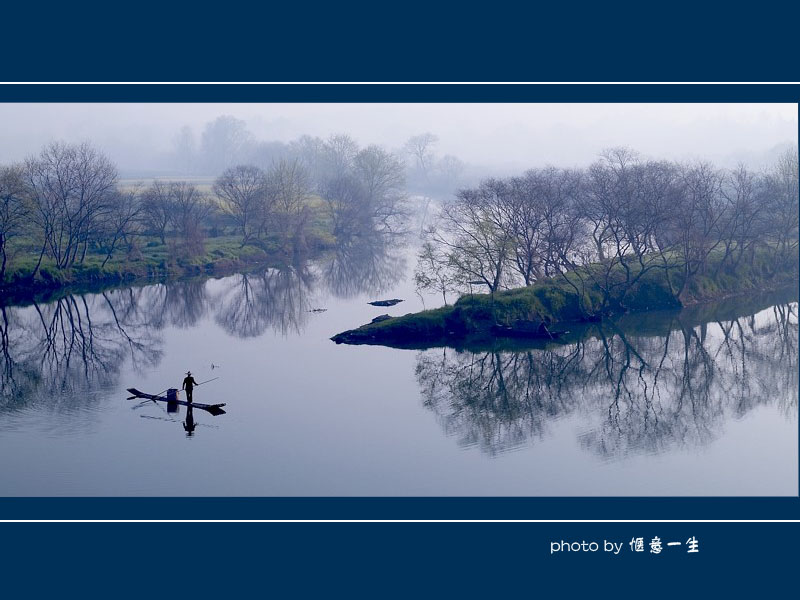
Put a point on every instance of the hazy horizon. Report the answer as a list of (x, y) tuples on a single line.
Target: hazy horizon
[(499, 137)]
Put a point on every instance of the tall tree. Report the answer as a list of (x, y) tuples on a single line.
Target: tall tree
[(242, 192), (71, 187), (157, 209), (13, 211), (422, 150), (289, 192), (185, 148), (190, 209), (383, 178), (224, 142)]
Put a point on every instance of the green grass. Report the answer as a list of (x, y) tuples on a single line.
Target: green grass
[(555, 301), (153, 259)]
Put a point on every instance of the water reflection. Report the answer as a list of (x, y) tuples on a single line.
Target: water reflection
[(276, 298), (645, 384), (188, 423), (367, 263), (179, 303), (62, 353)]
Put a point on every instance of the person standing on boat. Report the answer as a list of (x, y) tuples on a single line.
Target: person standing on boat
[(188, 385)]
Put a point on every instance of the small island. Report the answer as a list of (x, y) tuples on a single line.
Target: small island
[(520, 312), (558, 247)]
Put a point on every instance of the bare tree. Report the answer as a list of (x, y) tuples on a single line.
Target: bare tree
[(71, 187), (339, 151), (190, 211), (185, 149), (383, 178), (289, 193), (433, 272), (224, 142), (698, 218), (242, 193), (309, 152), (472, 232), (13, 211), (121, 223), (741, 226), (783, 205), (530, 201), (421, 148), (451, 168), (157, 209), (347, 200)]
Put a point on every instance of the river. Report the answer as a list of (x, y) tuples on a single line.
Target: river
[(698, 402)]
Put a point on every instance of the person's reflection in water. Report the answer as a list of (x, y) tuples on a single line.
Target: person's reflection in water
[(189, 424)]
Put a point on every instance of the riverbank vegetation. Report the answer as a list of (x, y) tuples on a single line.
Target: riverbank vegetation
[(555, 303), (627, 234), (66, 218), (606, 227)]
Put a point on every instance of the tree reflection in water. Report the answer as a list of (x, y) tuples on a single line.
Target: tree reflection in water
[(179, 303), (371, 262), (276, 298), (60, 353), (280, 298), (644, 391)]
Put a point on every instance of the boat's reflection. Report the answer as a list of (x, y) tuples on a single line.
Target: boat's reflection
[(171, 405), (188, 422)]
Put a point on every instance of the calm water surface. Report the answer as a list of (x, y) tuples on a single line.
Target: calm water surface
[(698, 402)]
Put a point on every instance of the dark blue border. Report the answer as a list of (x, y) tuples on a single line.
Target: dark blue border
[(409, 41), (435, 508), (400, 508), (370, 92), (389, 560)]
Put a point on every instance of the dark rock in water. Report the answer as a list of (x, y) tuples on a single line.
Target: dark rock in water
[(317, 310), (391, 302), (380, 318)]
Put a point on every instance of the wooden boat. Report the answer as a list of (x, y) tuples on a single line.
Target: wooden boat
[(214, 409)]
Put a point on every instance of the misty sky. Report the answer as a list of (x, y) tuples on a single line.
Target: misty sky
[(503, 136)]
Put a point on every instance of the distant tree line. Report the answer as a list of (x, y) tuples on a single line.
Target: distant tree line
[(226, 142), (609, 225), (358, 189), (67, 203)]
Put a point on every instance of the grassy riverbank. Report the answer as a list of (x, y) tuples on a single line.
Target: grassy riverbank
[(557, 302), (154, 261), (218, 252)]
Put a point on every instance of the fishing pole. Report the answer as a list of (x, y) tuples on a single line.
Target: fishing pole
[(158, 394), (206, 381)]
